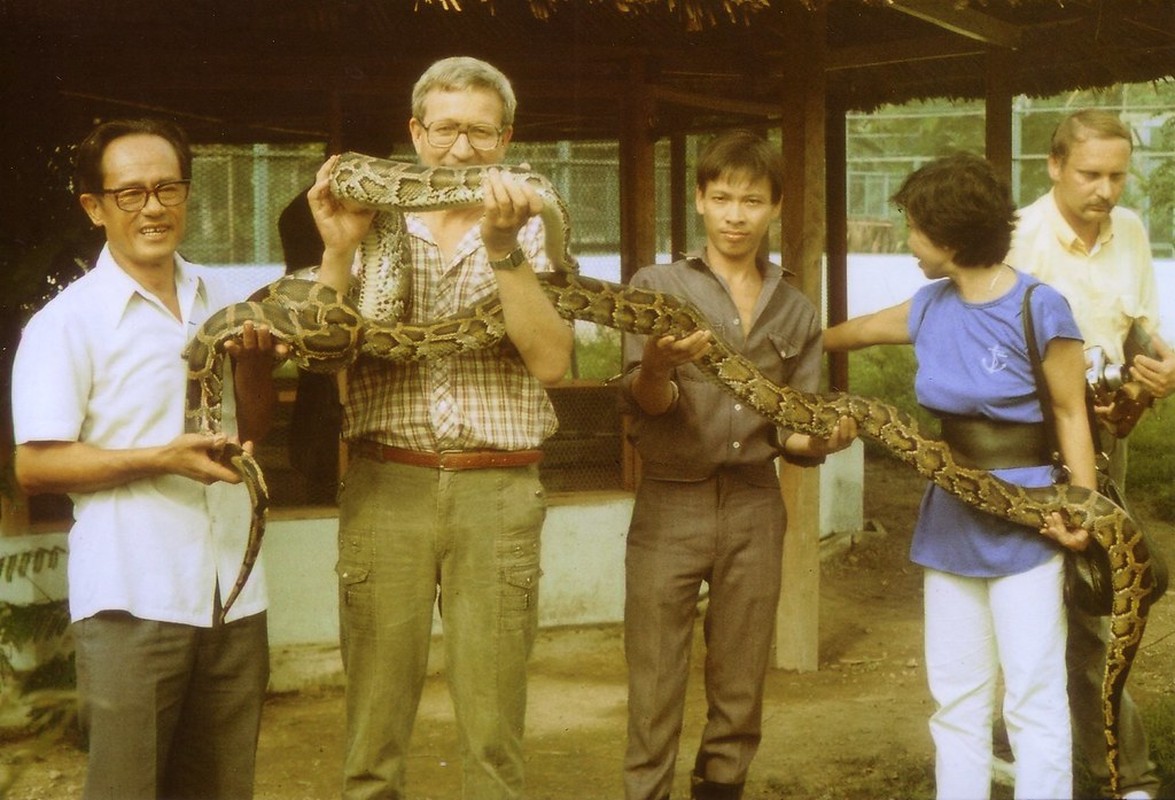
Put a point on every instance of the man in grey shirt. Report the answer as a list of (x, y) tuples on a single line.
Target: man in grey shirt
[(709, 506)]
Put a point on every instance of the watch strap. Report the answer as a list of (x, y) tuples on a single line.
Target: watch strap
[(513, 260)]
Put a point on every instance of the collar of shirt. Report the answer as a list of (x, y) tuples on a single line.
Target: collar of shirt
[(470, 241), (116, 289), (767, 268)]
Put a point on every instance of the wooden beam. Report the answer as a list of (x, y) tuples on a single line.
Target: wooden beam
[(707, 102), (963, 20), (802, 244)]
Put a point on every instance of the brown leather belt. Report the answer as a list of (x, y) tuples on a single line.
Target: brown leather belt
[(448, 460), (982, 443)]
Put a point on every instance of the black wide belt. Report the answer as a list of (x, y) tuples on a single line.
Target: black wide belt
[(982, 443)]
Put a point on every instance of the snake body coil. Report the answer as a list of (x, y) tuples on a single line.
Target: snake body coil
[(326, 331)]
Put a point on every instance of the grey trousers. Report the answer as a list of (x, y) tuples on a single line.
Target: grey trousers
[(170, 711), (727, 532), (1086, 658)]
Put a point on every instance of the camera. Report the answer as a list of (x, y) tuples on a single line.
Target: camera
[(1103, 376)]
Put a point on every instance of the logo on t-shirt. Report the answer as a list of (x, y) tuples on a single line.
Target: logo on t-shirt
[(998, 360)]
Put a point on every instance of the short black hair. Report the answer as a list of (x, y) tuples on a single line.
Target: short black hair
[(741, 151), (88, 156), (960, 202)]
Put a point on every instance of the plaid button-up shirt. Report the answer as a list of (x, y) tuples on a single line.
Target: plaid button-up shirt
[(485, 399)]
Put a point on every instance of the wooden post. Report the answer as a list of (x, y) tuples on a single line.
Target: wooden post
[(802, 245), (679, 194), (638, 211), (998, 112), (638, 195), (836, 212)]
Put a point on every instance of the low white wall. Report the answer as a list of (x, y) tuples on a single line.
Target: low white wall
[(842, 482), (582, 559), (37, 575), (582, 563)]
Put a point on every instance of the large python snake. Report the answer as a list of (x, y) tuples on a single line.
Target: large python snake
[(326, 332)]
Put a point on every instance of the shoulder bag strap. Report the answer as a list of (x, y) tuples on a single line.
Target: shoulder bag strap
[(1042, 387)]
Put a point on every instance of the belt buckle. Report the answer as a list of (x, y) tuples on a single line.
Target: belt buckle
[(443, 455)]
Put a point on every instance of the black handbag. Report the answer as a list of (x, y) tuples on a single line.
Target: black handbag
[(1088, 582)]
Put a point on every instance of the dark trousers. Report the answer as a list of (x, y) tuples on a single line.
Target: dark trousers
[(170, 711), (727, 532)]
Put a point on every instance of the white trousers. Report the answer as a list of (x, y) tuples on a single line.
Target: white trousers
[(976, 627)]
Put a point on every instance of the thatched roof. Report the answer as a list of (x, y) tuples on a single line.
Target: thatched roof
[(262, 70)]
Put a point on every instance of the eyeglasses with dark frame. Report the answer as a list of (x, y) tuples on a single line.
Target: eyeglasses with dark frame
[(134, 198), (445, 133)]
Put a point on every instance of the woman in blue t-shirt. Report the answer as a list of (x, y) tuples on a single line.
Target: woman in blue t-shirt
[(993, 589)]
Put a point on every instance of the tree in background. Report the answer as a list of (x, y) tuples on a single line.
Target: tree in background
[(45, 242)]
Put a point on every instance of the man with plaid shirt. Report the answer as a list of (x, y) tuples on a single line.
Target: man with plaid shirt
[(442, 493)]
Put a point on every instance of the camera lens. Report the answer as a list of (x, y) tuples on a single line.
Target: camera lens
[(1114, 375)]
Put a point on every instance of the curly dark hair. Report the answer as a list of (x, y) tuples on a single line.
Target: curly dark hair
[(88, 156), (960, 203)]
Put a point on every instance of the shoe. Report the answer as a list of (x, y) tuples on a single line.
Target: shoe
[(701, 789), (1003, 772), (1138, 794)]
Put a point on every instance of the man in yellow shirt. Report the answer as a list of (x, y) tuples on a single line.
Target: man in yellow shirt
[(1099, 257)]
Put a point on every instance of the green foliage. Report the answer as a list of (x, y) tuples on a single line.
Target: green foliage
[(1150, 470), (1159, 718), (598, 355), (887, 373), (885, 146), (22, 624)]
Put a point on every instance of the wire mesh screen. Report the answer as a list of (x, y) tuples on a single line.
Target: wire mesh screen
[(587, 453)]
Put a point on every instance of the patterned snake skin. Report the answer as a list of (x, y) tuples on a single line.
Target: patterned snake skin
[(326, 332)]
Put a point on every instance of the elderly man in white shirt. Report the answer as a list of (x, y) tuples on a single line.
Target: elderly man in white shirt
[(170, 695)]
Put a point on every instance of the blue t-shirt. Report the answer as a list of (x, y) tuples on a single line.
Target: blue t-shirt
[(973, 361)]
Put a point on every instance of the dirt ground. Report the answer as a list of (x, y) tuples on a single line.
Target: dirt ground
[(856, 728)]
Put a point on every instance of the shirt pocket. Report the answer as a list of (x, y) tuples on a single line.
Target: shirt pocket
[(781, 361)]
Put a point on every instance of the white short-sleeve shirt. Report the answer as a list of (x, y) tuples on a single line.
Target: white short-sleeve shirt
[(101, 364)]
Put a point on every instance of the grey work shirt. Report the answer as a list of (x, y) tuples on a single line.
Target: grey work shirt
[(708, 428)]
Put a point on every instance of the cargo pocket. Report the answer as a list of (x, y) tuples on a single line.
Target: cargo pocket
[(520, 599), (353, 570)]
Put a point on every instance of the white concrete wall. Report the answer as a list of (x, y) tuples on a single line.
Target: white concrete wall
[(582, 563), (582, 559), (27, 583)]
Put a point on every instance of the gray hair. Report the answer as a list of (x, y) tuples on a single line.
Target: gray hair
[(459, 73)]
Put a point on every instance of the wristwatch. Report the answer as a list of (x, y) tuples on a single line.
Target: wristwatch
[(514, 260)]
